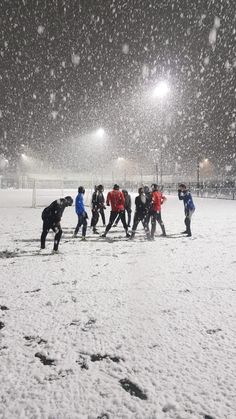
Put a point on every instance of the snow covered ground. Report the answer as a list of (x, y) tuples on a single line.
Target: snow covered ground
[(114, 328)]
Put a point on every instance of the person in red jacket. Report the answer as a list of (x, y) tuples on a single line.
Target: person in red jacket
[(116, 199), (155, 211)]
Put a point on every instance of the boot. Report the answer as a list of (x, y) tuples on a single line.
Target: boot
[(163, 230), (188, 230)]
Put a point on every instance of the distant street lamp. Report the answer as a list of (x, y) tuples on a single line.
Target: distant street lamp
[(100, 133), (200, 163), (161, 90)]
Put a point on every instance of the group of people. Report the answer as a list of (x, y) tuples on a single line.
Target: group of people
[(148, 206)]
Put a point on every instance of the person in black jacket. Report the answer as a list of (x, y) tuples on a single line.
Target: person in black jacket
[(141, 213), (98, 206), (51, 217), (127, 208)]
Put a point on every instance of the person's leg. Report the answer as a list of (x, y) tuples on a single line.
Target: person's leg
[(188, 216), (57, 229), (145, 223), (46, 228), (94, 220), (160, 222), (122, 217), (135, 225), (153, 224), (129, 217), (84, 228), (117, 221), (103, 216), (113, 216), (78, 225)]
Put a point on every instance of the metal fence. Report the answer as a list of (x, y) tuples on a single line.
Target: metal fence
[(223, 190)]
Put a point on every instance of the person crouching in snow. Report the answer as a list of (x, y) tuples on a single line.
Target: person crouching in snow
[(80, 211), (189, 207), (51, 217), (116, 199)]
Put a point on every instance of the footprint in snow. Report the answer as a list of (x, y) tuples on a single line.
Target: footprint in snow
[(44, 359), (133, 389), (212, 331), (3, 308), (36, 339), (37, 290), (2, 325), (88, 325), (82, 362), (98, 357)]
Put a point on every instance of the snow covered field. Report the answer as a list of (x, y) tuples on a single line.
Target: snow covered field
[(118, 329)]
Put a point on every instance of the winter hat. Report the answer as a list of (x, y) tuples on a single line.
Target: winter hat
[(116, 187), (81, 189), (154, 187)]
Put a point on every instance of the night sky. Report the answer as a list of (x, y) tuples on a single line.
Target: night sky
[(69, 67)]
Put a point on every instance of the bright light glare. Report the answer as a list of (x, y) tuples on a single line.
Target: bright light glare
[(161, 89), (120, 159), (23, 155), (100, 132), (206, 160)]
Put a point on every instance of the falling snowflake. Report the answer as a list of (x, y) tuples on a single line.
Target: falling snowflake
[(40, 29), (125, 48), (54, 114), (75, 58)]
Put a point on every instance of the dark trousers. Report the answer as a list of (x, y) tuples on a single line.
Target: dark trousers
[(187, 221), (103, 216), (82, 221), (156, 217), (56, 227), (144, 219), (95, 217), (113, 216), (129, 217)]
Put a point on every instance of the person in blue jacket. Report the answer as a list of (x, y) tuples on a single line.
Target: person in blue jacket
[(189, 207), (80, 211)]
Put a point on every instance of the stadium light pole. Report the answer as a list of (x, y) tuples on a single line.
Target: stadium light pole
[(161, 90), (100, 134), (199, 164)]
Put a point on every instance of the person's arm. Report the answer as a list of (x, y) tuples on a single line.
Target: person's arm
[(108, 199), (180, 194), (163, 199), (56, 211), (129, 202), (94, 200), (122, 198)]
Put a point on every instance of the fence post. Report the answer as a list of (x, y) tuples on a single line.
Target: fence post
[(34, 195)]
